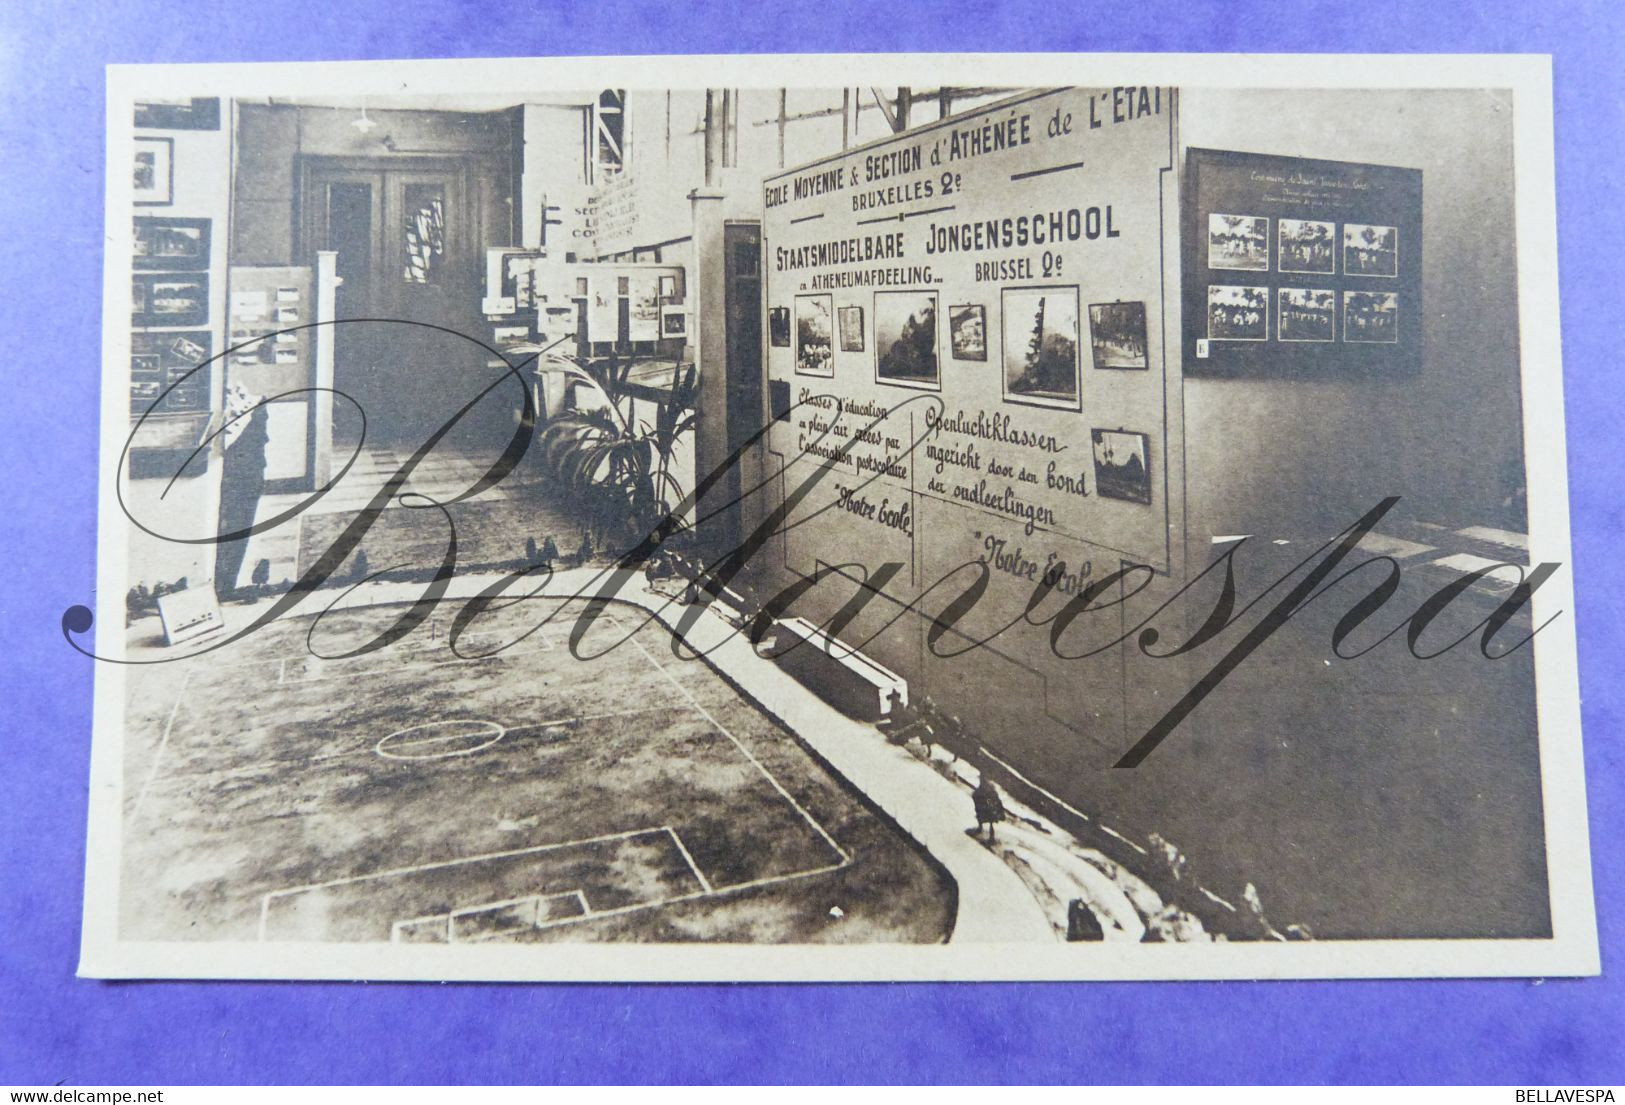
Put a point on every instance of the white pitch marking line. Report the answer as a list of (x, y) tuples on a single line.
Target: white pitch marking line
[(163, 743), (548, 724), (768, 775), (705, 883)]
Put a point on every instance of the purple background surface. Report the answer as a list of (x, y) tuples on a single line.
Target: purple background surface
[(54, 1027)]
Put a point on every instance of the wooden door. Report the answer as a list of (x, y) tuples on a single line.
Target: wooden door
[(408, 240)]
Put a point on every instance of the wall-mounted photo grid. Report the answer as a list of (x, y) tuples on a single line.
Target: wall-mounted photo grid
[(1294, 266), (169, 372)]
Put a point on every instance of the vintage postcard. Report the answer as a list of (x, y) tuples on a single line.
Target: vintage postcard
[(916, 517)]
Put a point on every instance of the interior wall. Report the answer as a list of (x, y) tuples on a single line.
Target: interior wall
[(274, 136), (202, 189), (1286, 458)]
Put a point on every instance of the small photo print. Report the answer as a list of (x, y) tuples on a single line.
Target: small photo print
[(851, 320), (967, 331), (1370, 250), (906, 339), (674, 324), (1307, 245), (1117, 335), (1238, 242), (1041, 346), (1238, 313), (171, 244), (1371, 317), (778, 327), (154, 172), (1122, 465), (1307, 314), (162, 299), (815, 343)]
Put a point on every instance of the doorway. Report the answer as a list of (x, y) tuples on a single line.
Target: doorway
[(409, 236)]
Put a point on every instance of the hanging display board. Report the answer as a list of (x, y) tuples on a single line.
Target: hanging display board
[(991, 288), (1301, 267)]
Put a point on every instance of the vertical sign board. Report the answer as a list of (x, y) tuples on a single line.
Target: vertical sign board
[(969, 318)]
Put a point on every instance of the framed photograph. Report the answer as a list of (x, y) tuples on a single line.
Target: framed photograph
[(1238, 242), (967, 332), (1117, 335), (1237, 313), (168, 299), (815, 335), (190, 114), (1340, 236), (1041, 347), (673, 324), (176, 360), (1371, 317), (171, 244), (1122, 465), (1370, 250), (668, 287), (1306, 314), (154, 172), (851, 320), (778, 327), (906, 340), (1306, 245)]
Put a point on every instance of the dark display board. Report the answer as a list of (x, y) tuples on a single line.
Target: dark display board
[(1298, 267)]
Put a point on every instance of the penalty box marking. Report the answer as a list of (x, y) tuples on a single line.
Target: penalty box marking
[(745, 752)]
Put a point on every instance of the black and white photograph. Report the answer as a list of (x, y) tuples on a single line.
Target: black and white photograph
[(815, 337), (1122, 465), (1117, 335), (171, 245), (1306, 245), (1371, 317), (1237, 313), (906, 339), (851, 323), (1238, 242), (1370, 250), (154, 178), (161, 299), (579, 620), (778, 326), (1307, 314), (967, 331), (1041, 346)]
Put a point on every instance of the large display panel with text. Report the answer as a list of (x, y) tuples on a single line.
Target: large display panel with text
[(972, 324)]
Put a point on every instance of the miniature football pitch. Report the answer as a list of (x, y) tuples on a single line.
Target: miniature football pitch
[(504, 791)]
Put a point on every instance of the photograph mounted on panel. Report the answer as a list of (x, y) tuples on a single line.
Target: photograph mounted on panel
[(674, 324), (815, 340), (906, 339), (1238, 242), (1122, 465), (1041, 346), (176, 360), (1307, 314), (1336, 228), (1371, 317), (154, 172), (1370, 250), (171, 244), (1307, 245), (1238, 313), (967, 331), (1117, 335), (195, 113), (778, 327), (161, 299), (851, 322)]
